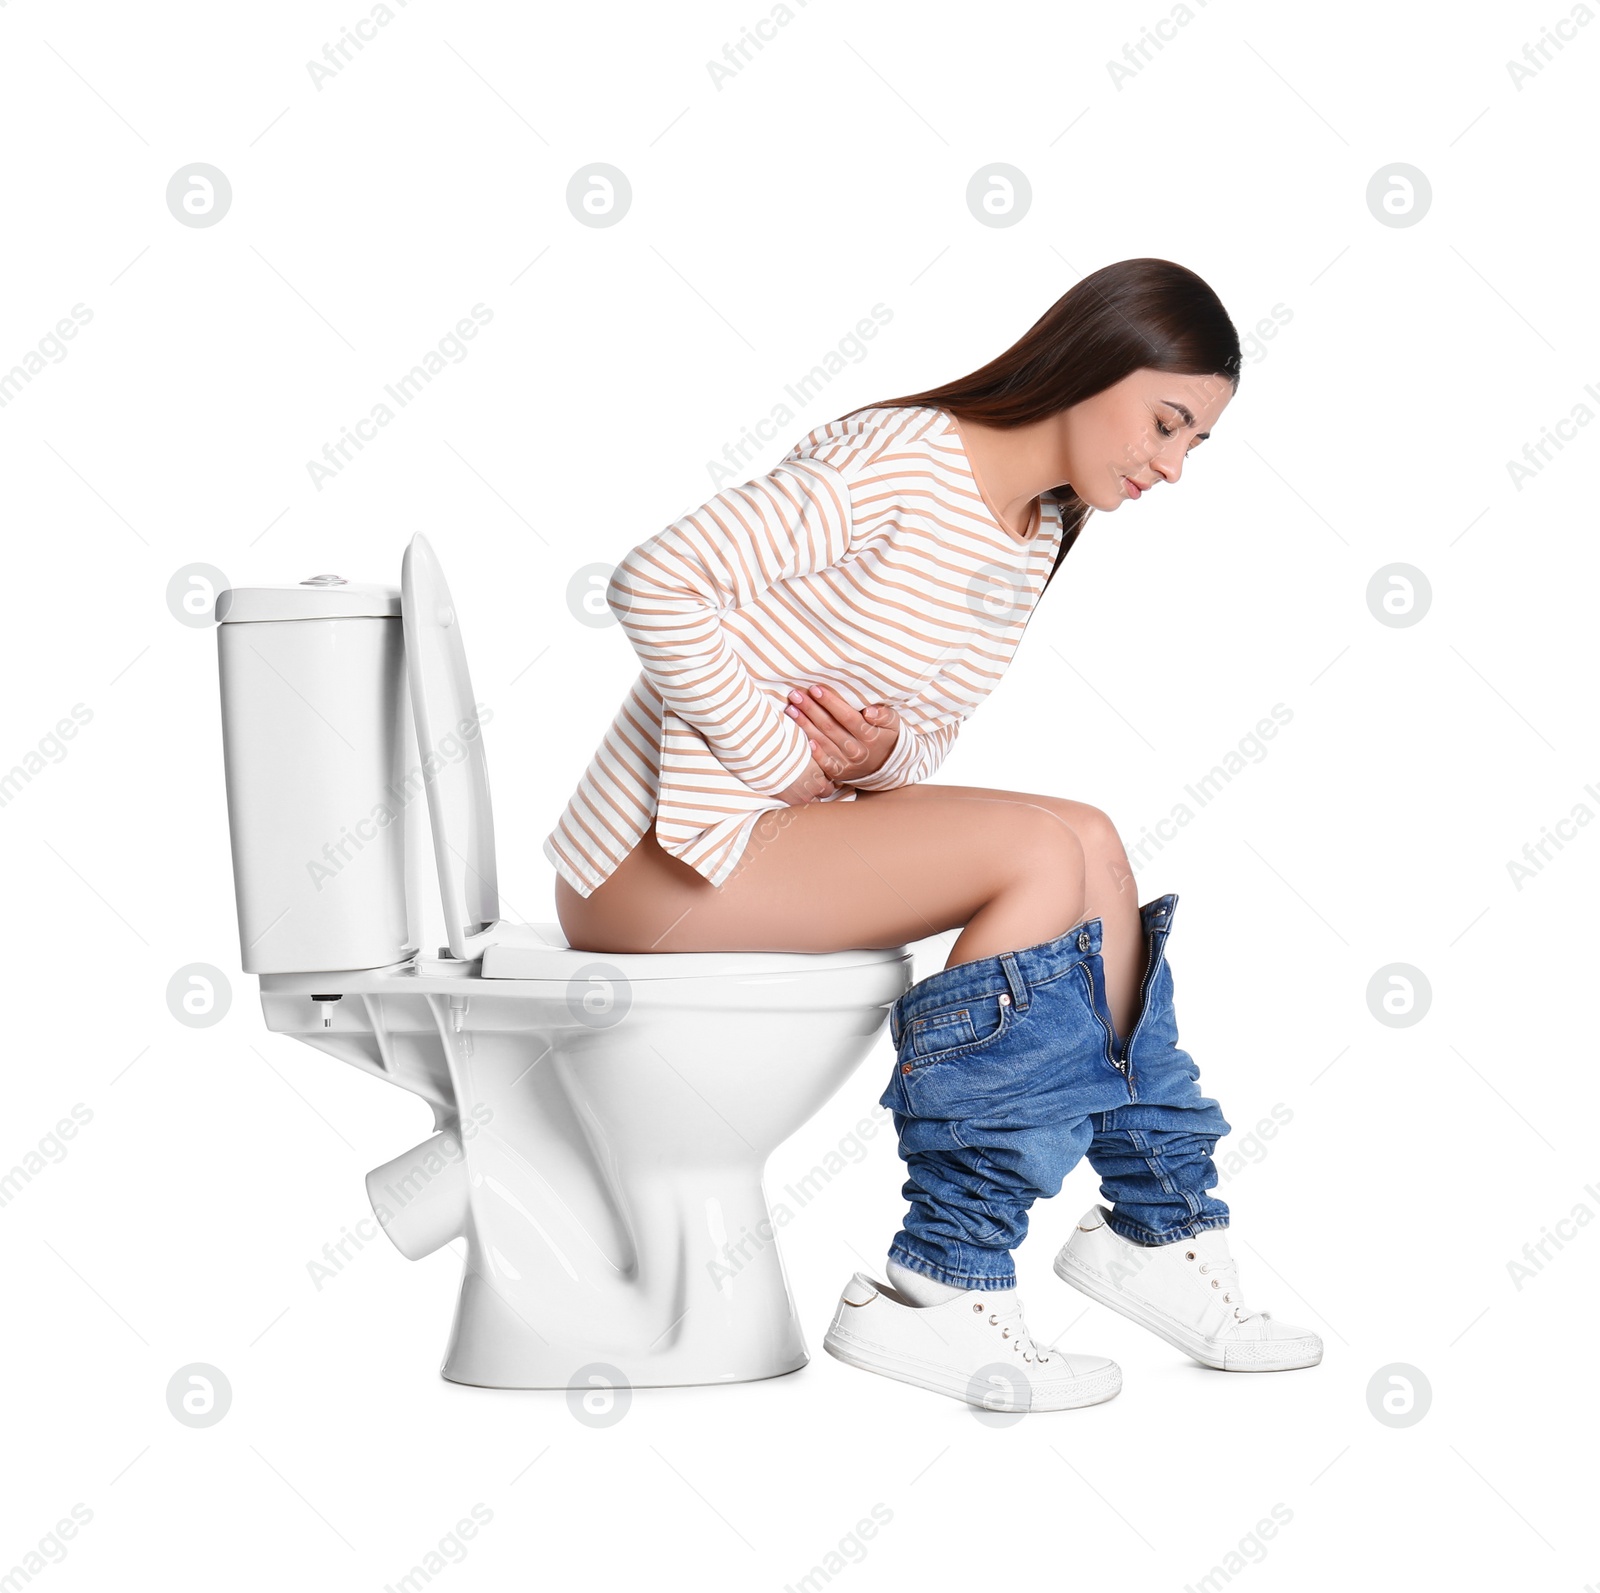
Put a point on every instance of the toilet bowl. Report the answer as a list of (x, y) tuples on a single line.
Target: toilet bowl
[(601, 1122)]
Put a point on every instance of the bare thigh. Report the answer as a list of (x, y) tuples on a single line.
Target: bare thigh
[(1109, 879), (1110, 890), (1008, 868)]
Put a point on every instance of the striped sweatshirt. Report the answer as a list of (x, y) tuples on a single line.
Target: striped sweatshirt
[(866, 560)]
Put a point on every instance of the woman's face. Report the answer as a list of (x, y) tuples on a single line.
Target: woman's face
[(1137, 433)]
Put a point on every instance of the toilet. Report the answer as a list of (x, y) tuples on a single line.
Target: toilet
[(601, 1122)]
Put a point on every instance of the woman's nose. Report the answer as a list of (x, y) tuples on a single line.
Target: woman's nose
[(1169, 466)]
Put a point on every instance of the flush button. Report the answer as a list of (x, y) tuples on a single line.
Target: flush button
[(325, 580)]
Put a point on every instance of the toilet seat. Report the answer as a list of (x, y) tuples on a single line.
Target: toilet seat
[(540, 951)]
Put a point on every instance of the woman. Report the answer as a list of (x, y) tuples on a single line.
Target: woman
[(811, 643)]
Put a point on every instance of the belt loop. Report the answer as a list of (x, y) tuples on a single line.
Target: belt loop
[(1019, 985)]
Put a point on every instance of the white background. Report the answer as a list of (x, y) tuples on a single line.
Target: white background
[(769, 215)]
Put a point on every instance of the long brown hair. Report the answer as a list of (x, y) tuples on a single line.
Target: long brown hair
[(1132, 315)]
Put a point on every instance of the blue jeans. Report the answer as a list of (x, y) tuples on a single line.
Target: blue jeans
[(1009, 1069)]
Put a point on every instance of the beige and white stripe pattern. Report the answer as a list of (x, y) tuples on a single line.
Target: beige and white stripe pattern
[(866, 560)]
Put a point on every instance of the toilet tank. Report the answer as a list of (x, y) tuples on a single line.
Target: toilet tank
[(314, 745)]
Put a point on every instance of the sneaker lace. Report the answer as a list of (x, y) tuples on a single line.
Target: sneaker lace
[(1008, 1319), (1223, 1276)]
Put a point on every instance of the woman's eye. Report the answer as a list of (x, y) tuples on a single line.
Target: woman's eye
[(1163, 428)]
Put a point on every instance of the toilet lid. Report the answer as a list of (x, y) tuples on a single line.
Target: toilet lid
[(450, 746)]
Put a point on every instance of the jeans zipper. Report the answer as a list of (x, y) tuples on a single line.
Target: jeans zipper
[(1102, 1011), (1144, 1000)]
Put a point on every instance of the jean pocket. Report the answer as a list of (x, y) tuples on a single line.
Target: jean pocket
[(956, 1030)]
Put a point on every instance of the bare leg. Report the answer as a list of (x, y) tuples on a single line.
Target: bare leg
[(1009, 869), (1110, 889)]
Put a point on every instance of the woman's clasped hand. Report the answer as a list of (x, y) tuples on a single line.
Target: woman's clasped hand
[(846, 745)]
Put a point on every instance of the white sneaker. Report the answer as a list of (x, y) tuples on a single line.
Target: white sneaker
[(973, 1347), (1187, 1292)]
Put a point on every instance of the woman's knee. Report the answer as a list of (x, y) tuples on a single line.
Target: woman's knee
[(1044, 849), (1105, 860), (1105, 857)]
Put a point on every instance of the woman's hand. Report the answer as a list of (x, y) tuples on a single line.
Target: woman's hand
[(845, 745)]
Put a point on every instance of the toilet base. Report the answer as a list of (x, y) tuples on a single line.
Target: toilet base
[(607, 1184), (693, 1317)]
